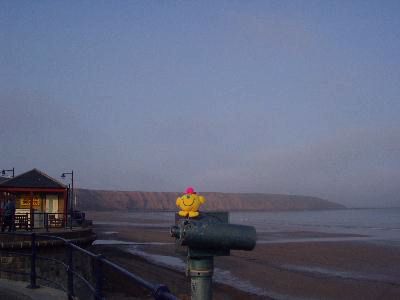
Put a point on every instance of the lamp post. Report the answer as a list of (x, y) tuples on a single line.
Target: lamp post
[(72, 192), (3, 172)]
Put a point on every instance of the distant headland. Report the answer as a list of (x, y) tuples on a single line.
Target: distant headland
[(136, 200)]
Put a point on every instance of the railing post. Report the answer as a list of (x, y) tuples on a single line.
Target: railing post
[(46, 221), (98, 277), (70, 285), (33, 284), (32, 220), (26, 224)]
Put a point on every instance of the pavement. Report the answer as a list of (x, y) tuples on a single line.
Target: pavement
[(17, 290)]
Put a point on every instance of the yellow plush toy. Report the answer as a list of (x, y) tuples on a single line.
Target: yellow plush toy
[(189, 203)]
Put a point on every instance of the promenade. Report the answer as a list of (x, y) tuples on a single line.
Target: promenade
[(17, 290)]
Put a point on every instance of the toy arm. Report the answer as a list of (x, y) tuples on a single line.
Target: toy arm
[(202, 199)]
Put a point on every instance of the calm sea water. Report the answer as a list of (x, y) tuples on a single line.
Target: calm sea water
[(379, 224), (375, 224)]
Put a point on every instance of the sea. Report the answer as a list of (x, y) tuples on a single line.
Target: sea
[(381, 224), (373, 224)]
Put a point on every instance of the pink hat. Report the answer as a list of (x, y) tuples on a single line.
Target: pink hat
[(190, 190)]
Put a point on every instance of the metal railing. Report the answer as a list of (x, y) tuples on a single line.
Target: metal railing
[(42, 220), (158, 291)]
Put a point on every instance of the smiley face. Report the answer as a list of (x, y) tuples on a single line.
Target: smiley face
[(188, 200)]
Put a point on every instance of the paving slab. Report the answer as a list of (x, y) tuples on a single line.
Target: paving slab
[(17, 290)]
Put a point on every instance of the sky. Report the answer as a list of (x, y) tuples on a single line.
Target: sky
[(291, 97)]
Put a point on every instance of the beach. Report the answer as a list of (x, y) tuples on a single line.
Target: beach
[(288, 264)]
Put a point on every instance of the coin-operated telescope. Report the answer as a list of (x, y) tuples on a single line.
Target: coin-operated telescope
[(204, 237)]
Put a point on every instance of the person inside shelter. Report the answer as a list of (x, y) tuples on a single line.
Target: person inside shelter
[(8, 216)]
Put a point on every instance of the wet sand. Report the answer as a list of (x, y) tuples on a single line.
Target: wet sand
[(313, 265)]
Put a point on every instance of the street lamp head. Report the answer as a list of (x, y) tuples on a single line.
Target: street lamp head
[(63, 175), (4, 171)]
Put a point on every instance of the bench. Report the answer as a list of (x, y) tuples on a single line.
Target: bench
[(55, 222)]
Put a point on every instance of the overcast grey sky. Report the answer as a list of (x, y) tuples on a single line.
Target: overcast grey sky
[(298, 97)]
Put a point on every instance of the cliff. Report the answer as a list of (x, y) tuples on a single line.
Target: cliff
[(118, 200)]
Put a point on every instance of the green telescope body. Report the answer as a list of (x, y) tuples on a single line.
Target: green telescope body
[(211, 234), (215, 236)]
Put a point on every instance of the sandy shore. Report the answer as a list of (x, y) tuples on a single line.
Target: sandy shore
[(299, 269)]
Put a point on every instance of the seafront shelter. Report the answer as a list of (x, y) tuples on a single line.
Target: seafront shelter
[(39, 199)]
